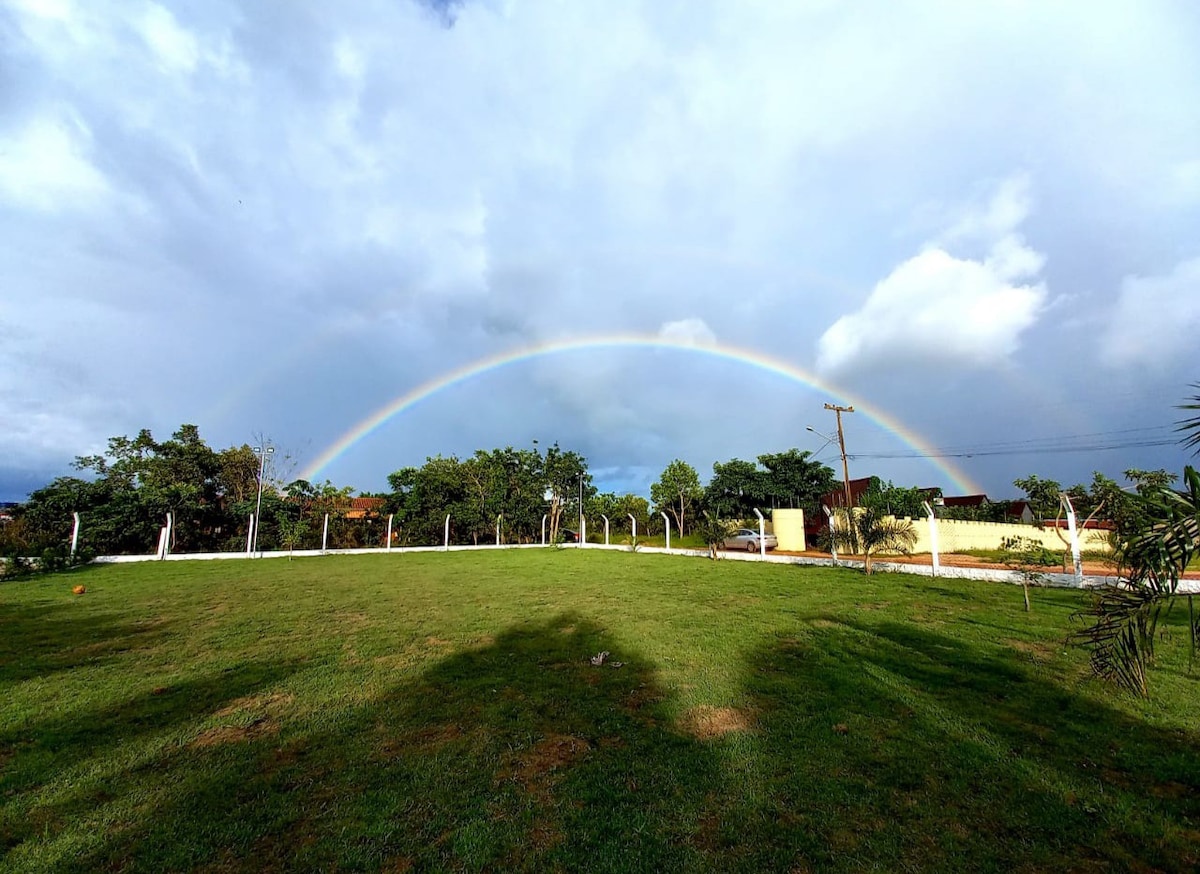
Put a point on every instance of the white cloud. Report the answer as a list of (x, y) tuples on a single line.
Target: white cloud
[(1156, 319), (45, 166), (692, 332), (175, 48), (936, 305)]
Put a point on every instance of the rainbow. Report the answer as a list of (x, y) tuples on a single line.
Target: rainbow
[(770, 364)]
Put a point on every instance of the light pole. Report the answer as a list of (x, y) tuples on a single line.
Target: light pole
[(842, 445), (262, 452), (580, 505)]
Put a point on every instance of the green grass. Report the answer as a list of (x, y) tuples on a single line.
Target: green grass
[(438, 712)]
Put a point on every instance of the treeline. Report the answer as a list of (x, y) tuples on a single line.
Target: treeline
[(124, 496)]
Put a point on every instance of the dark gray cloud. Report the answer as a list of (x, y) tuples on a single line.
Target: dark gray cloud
[(275, 217)]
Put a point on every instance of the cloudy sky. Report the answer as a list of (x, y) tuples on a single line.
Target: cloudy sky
[(981, 220)]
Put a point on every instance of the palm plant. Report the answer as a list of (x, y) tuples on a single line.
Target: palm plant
[(1124, 618), (1191, 425), (871, 529)]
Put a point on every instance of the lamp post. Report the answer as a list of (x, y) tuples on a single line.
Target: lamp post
[(581, 531), (842, 445), (262, 452)]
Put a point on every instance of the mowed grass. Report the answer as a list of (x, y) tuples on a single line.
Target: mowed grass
[(439, 712)]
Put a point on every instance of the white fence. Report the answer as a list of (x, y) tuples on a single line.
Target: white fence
[(960, 573)]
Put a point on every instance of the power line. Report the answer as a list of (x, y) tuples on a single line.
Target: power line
[(1020, 450)]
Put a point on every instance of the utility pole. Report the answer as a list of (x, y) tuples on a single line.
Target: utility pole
[(842, 446)]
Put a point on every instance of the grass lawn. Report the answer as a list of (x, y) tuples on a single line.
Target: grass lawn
[(439, 712)]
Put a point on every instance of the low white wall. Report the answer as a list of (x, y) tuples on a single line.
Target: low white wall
[(984, 574), (956, 535)]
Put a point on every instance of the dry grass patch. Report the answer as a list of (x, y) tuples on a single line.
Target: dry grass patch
[(232, 734), (273, 704), (538, 767), (707, 722)]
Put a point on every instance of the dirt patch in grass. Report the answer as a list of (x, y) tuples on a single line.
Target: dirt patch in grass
[(876, 605), (545, 837), (273, 703), (708, 722), (641, 697), (438, 642), (538, 767), (423, 741), (351, 620), (1039, 651), (232, 734)]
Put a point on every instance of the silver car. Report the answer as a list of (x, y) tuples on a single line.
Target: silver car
[(747, 539)]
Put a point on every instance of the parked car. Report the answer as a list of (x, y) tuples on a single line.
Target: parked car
[(747, 539), (569, 536)]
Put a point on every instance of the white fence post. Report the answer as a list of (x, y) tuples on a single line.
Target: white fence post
[(933, 538), (389, 533), (446, 536), (667, 519), (498, 518), (582, 530), (1074, 532), (325, 533), (832, 533), (75, 535), (633, 519), (762, 533), (543, 530), (605, 518)]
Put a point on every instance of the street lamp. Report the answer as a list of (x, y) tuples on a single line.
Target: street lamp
[(826, 437), (262, 452), (845, 467)]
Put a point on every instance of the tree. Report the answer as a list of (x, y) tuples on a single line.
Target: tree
[(677, 492), (562, 471), (1042, 494), (899, 501), (714, 530), (1026, 556), (736, 488), (794, 480), (871, 529)]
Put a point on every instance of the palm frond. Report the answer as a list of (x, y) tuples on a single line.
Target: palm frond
[(1191, 425), (1124, 622)]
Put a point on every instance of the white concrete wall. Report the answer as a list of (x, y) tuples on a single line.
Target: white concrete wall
[(956, 535)]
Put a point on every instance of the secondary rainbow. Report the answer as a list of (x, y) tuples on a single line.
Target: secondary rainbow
[(714, 349)]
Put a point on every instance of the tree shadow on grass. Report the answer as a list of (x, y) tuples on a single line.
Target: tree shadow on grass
[(43, 639), (518, 754), (58, 772), (855, 746), (925, 752)]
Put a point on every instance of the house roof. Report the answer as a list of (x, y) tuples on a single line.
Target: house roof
[(965, 500)]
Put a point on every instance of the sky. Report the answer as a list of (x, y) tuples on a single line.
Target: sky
[(980, 221)]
